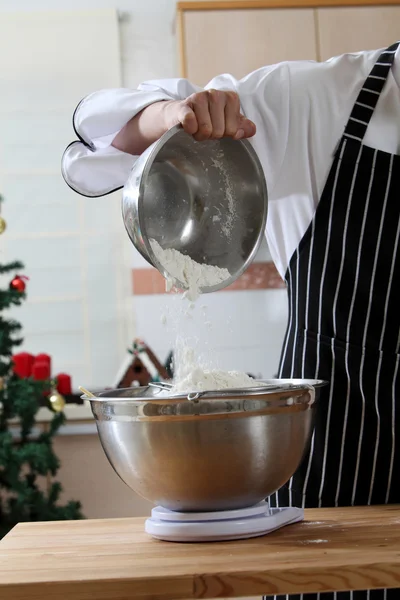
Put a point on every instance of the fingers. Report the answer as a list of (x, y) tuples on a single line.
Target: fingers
[(217, 101), (187, 119), (201, 106), (214, 114), (246, 128), (232, 115)]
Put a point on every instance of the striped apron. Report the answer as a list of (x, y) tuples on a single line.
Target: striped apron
[(344, 326)]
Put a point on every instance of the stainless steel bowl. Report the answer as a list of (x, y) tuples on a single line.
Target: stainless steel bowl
[(226, 450), (206, 199)]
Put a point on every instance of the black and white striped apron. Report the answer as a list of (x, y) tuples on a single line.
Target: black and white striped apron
[(344, 326)]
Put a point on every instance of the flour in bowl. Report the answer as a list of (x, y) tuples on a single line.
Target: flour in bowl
[(192, 376), (185, 271), (200, 380)]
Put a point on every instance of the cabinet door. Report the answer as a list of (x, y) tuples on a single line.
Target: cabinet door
[(240, 41), (352, 29)]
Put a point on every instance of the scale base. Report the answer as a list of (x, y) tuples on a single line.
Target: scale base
[(220, 526)]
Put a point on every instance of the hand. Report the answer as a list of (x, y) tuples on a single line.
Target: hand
[(209, 115)]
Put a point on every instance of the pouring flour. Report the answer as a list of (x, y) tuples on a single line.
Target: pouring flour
[(191, 375), (181, 268)]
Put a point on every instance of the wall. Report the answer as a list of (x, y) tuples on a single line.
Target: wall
[(72, 247), (148, 47)]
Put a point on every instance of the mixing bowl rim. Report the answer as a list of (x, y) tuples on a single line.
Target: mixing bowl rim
[(209, 394), (153, 151)]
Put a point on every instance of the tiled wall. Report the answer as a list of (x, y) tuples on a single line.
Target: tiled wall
[(72, 247)]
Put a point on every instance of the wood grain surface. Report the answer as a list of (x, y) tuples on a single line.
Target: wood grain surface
[(113, 559), (245, 4)]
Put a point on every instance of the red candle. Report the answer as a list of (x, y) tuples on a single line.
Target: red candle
[(23, 363), (44, 358), (64, 384), (40, 370)]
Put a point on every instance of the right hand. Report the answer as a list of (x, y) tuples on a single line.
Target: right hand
[(209, 115)]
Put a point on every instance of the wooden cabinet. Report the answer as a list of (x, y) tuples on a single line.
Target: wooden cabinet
[(241, 41), (350, 29), (238, 37)]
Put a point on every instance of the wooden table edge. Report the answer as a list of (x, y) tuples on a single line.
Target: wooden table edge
[(376, 575)]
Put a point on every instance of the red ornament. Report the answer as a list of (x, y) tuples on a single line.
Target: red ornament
[(18, 283), (64, 384), (44, 358), (23, 363), (40, 371)]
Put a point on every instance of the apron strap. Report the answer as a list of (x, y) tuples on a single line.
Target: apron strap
[(368, 97)]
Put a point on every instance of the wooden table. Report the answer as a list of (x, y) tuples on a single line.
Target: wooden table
[(113, 559)]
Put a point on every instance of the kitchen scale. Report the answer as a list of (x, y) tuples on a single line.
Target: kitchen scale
[(217, 526)]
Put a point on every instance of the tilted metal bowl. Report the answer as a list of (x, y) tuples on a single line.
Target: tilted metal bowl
[(226, 450), (206, 199)]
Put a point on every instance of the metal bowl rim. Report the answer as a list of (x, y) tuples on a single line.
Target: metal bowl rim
[(209, 394), (153, 151)]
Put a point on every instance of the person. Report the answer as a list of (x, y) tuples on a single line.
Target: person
[(328, 137)]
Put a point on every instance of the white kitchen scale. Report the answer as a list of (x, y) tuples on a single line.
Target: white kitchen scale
[(217, 526)]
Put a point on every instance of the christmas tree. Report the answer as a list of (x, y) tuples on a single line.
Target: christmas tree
[(24, 458)]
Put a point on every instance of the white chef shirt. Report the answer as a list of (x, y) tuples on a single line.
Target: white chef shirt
[(300, 110)]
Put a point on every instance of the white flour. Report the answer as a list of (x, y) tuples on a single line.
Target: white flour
[(230, 214), (199, 380), (192, 376), (183, 270)]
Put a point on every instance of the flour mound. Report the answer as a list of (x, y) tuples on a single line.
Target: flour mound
[(199, 380), (192, 376), (183, 270)]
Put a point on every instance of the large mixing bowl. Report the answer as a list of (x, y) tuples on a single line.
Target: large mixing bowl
[(206, 199), (226, 450)]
